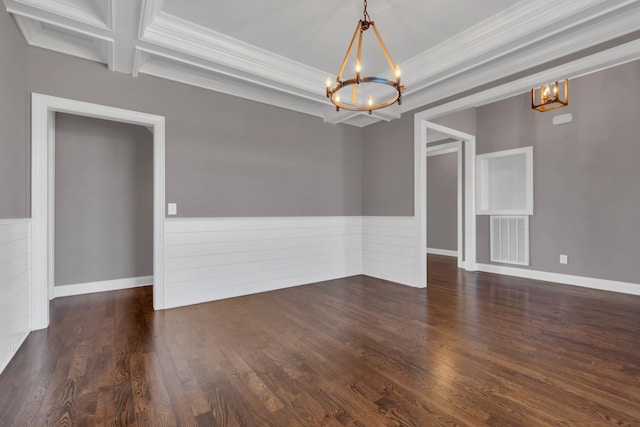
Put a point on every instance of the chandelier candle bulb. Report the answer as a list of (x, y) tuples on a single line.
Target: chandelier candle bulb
[(545, 96)]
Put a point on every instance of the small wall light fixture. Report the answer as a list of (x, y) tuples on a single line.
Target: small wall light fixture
[(550, 96)]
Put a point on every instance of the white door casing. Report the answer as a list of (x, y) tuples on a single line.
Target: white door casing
[(43, 109)]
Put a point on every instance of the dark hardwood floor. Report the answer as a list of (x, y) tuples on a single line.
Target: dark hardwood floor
[(473, 349)]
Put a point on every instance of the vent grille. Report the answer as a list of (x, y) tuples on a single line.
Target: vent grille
[(510, 239)]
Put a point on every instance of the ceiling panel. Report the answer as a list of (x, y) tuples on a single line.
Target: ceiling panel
[(317, 33)]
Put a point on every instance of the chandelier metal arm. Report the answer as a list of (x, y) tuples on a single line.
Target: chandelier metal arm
[(358, 69), (384, 48), (346, 57)]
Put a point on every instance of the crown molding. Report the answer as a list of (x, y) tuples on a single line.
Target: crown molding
[(621, 22), (510, 42), (99, 16), (58, 26), (86, 46), (159, 64), (615, 56), (220, 69), (533, 47), (183, 36), (148, 11), (491, 36)]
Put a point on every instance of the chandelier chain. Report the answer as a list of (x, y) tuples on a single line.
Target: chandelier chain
[(367, 18)]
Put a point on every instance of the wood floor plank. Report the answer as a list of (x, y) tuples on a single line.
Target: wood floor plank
[(473, 349)]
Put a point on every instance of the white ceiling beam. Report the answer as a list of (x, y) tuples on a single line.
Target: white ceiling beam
[(602, 60), (335, 117), (125, 35)]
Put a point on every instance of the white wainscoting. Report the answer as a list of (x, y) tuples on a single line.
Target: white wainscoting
[(214, 258), (15, 279), (389, 249), (101, 286)]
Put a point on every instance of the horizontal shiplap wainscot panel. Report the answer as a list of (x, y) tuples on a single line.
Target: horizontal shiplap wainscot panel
[(208, 259), (14, 286), (389, 247)]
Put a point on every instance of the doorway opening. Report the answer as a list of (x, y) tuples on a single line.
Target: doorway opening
[(445, 207), (103, 198), (43, 111), (466, 212)]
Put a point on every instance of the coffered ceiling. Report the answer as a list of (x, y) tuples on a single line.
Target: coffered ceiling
[(280, 52)]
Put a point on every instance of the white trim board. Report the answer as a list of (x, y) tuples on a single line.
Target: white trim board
[(565, 279), (101, 286), (450, 147), (444, 252), (43, 108)]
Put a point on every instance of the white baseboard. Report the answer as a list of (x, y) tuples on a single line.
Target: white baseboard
[(445, 252), (566, 279), (406, 282), (102, 286)]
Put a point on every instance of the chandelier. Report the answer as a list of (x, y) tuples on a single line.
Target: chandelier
[(543, 99), (375, 92)]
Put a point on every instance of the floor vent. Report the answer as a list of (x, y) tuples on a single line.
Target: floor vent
[(510, 239)]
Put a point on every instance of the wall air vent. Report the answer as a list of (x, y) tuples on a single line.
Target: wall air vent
[(509, 241)]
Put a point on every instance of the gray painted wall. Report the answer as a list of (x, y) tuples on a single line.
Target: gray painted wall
[(586, 174), (387, 168), (104, 200), (586, 178), (225, 156), (463, 121), (442, 201), (14, 144), (387, 162)]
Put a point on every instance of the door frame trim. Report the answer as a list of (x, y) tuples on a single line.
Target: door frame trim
[(43, 109), (452, 147)]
